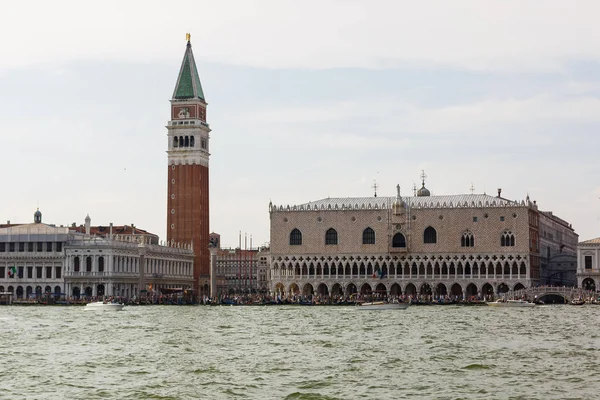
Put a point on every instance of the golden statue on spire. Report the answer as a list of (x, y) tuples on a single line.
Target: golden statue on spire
[(188, 37)]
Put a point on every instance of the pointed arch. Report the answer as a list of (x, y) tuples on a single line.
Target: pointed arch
[(331, 237), (295, 237), (368, 236), (430, 235), (399, 240), (467, 239)]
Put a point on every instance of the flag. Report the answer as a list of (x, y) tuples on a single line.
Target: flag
[(12, 271)]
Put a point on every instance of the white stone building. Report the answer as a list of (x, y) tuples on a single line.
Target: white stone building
[(588, 264), (89, 260), (32, 259)]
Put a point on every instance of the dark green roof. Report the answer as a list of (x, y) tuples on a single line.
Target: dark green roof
[(188, 82)]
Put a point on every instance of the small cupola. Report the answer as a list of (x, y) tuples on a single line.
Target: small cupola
[(423, 192), (37, 216)]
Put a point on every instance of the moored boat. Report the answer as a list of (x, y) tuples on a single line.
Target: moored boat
[(510, 303), (383, 305), (102, 306), (577, 302)]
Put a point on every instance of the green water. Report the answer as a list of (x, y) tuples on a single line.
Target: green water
[(296, 352)]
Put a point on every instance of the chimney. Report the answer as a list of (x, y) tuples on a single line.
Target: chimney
[(110, 230), (499, 191), (8, 222)]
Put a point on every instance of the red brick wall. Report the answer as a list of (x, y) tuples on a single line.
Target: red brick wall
[(190, 220)]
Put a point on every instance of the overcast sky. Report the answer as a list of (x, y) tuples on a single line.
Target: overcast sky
[(307, 100)]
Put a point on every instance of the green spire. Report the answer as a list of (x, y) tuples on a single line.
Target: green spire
[(188, 82)]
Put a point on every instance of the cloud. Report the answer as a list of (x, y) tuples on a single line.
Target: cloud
[(507, 35)]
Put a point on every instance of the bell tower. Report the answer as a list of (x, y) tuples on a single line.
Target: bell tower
[(187, 186)]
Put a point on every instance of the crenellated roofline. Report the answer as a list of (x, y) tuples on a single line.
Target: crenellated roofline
[(383, 203)]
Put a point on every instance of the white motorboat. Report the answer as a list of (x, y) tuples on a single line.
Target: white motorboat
[(102, 306), (382, 305), (511, 303)]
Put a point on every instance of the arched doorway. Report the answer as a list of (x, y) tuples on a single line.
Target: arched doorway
[(410, 290), (588, 284), (503, 288), (57, 291), (441, 290), (381, 289), (366, 289), (425, 289), (279, 289), (308, 290), (471, 290), (456, 291), (100, 289), (396, 290), (19, 292), (47, 289), (28, 291), (322, 290), (88, 291), (519, 286), (38, 291), (487, 290), (76, 292), (337, 290), (294, 289), (351, 289)]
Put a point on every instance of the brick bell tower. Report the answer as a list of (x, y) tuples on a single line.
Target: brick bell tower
[(187, 193)]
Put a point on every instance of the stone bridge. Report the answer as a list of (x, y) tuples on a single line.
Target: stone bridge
[(539, 292)]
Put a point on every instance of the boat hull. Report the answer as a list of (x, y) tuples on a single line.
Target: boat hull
[(383, 306), (512, 304), (100, 306)]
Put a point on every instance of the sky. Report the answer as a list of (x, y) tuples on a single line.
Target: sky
[(307, 100)]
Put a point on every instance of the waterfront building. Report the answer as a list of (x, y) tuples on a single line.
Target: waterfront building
[(241, 271), (558, 251), (32, 258), (188, 156), (45, 260), (125, 261), (450, 245), (588, 266)]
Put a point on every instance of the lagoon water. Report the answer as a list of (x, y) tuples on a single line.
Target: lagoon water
[(300, 352)]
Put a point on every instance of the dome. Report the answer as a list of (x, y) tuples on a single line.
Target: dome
[(37, 216), (423, 192)]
